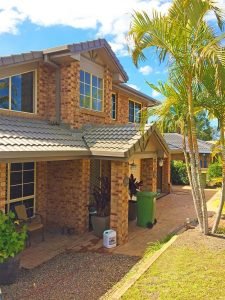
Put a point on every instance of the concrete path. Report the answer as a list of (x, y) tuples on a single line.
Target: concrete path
[(171, 213)]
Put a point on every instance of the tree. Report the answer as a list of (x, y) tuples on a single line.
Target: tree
[(203, 126), (187, 42), (214, 101)]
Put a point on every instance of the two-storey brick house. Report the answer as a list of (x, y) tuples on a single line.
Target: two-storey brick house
[(67, 117)]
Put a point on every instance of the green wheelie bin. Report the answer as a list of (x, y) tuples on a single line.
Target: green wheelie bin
[(146, 207)]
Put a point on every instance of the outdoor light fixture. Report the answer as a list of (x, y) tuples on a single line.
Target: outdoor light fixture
[(133, 166), (161, 162)]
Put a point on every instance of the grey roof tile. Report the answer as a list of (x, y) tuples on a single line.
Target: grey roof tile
[(175, 143), (17, 134)]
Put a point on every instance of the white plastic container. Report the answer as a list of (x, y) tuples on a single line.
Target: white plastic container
[(109, 238)]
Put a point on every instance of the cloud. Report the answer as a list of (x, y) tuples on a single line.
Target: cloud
[(146, 70), (110, 19), (155, 93), (134, 86)]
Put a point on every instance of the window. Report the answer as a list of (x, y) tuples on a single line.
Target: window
[(17, 92), (114, 107), (91, 91), (204, 161), (21, 186), (134, 112)]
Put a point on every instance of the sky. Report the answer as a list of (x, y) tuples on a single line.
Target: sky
[(29, 25)]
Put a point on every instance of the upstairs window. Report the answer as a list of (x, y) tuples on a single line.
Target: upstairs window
[(91, 91), (134, 112), (17, 92), (114, 107)]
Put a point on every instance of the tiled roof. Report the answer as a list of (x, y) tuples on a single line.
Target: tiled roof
[(18, 134), (114, 140), (175, 143), (19, 58), (36, 138), (127, 88), (73, 48), (97, 44)]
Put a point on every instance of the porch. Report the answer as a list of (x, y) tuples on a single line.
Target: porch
[(172, 211)]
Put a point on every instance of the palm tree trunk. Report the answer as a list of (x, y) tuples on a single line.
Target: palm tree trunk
[(194, 196), (195, 165), (222, 197)]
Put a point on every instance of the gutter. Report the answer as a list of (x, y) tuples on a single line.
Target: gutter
[(58, 87)]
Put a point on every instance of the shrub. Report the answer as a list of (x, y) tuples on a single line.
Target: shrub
[(215, 171), (179, 172), (12, 240)]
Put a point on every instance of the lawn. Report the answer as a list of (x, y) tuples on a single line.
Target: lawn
[(192, 268)]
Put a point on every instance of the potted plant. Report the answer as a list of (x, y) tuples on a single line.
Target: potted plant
[(134, 187), (12, 242), (101, 193)]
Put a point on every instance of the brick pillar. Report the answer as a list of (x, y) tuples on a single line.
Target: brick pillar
[(2, 186), (166, 176), (149, 174), (119, 201), (41, 189), (83, 192)]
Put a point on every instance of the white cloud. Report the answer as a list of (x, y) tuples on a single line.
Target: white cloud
[(134, 86), (146, 70), (155, 93), (109, 18)]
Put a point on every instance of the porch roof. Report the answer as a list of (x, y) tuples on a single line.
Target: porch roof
[(21, 137), (120, 140), (28, 138)]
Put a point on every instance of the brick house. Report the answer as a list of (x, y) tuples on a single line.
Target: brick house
[(67, 117)]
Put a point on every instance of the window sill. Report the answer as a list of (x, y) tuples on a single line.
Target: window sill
[(90, 112)]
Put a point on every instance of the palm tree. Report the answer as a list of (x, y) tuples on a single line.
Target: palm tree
[(185, 39), (214, 101)]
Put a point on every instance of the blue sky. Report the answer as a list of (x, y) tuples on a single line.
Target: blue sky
[(35, 25)]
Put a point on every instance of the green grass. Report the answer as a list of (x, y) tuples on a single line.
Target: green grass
[(216, 203), (182, 273)]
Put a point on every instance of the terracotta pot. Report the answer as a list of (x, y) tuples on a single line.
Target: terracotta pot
[(9, 270), (132, 210), (99, 225)]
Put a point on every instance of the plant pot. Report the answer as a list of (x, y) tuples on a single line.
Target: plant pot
[(9, 270), (99, 225), (132, 210)]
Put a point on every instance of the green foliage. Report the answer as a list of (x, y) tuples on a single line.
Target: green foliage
[(179, 172), (12, 239), (215, 170), (204, 129)]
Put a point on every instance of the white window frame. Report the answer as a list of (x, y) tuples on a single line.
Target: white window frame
[(115, 106), (135, 102), (8, 201), (91, 86), (34, 92)]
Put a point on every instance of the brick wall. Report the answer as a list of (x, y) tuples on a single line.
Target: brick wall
[(68, 194), (149, 174), (119, 200), (2, 186), (41, 189)]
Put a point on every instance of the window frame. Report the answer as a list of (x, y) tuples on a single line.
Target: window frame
[(91, 86), (8, 201), (135, 102), (10, 92), (116, 101)]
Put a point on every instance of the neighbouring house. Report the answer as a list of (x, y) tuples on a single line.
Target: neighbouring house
[(66, 118), (175, 145)]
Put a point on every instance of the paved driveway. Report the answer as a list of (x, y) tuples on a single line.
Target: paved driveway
[(171, 213)]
